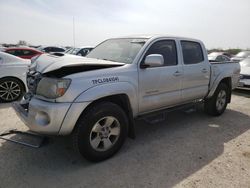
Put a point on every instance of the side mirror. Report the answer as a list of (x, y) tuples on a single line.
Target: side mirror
[(153, 60)]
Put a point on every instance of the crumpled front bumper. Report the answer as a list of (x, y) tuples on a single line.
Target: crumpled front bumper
[(50, 118), (41, 116)]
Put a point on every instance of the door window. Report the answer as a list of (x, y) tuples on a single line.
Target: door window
[(14, 52), (28, 52), (192, 52), (166, 48), (58, 49), (82, 52)]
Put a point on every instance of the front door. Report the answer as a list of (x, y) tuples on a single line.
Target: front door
[(160, 87)]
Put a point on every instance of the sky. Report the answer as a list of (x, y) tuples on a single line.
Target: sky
[(218, 23)]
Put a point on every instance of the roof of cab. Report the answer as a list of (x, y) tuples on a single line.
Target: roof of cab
[(148, 36), (154, 36)]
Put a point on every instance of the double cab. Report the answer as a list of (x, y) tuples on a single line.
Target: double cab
[(97, 98)]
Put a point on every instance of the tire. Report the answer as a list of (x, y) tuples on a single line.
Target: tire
[(11, 89), (101, 131), (217, 104)]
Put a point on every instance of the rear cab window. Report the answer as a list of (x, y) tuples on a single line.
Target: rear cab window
[(192, 52)]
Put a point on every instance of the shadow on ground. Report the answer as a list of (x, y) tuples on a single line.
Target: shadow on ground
[(5, 105), (162, 155), (241, 92)]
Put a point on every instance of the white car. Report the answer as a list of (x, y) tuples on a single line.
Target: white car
[(245, 74), (218, 57), (2, 48), (12, 77), (240, 56)]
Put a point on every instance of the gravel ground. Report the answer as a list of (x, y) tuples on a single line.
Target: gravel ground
[(186, 150)]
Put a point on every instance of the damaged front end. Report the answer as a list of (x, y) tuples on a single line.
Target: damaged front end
[(47, 79), (52, 91)]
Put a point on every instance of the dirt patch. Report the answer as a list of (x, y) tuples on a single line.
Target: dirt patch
[(246, 154)]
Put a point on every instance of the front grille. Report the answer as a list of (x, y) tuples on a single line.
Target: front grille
[(244, 76), (33, 78)]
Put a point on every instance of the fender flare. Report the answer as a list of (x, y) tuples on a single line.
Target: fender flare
[(216, 82), (105, 90), (89, 96)]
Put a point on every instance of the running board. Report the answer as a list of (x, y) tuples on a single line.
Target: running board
[(23, 138), (161, 115)]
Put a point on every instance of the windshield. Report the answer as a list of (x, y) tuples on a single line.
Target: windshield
[(68, 50), (243, 54), (245, 62), (72, 51), (40, 48), (214, 54), (118, 50)]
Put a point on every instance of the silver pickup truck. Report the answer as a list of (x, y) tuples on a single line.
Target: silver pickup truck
[(96, 98)]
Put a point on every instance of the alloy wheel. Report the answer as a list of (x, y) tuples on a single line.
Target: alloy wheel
[(105, 133), (221, 100), (9, 91)]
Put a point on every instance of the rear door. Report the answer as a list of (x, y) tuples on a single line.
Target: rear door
[(196, 71), (160, 87)]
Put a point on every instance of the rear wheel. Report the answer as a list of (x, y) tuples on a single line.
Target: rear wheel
[(11, 89), (101, 132), (217, 104)]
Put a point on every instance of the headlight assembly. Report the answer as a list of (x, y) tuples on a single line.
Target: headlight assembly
[(53, 88)]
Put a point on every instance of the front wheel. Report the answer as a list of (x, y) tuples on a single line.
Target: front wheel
[(101, 132), (217, 104)]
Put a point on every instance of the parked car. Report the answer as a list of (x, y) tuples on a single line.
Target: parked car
[(244, 82), (49, 49), (218, 57), (23, 52), (83, 51), (2, 48), (96, 98), (221, 53), (12, 77), (240, 56)]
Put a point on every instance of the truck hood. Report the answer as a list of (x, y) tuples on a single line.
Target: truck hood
[(68, 64)]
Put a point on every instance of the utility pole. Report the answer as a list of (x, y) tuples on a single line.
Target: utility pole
[(74, 40)]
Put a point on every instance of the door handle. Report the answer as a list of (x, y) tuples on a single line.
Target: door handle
[(204, 70), (177, 73)]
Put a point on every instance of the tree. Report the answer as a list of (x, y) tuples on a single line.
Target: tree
[(22, 43)]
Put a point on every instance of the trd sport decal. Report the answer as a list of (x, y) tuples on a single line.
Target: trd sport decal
[(105, 80)]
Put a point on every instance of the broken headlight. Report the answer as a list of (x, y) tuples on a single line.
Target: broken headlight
[(53, 88)]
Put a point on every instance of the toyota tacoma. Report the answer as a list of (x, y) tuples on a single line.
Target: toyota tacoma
[(97, 98)]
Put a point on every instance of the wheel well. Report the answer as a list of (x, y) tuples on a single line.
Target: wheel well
[(228, 81), (121, 100), (12, 77)]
